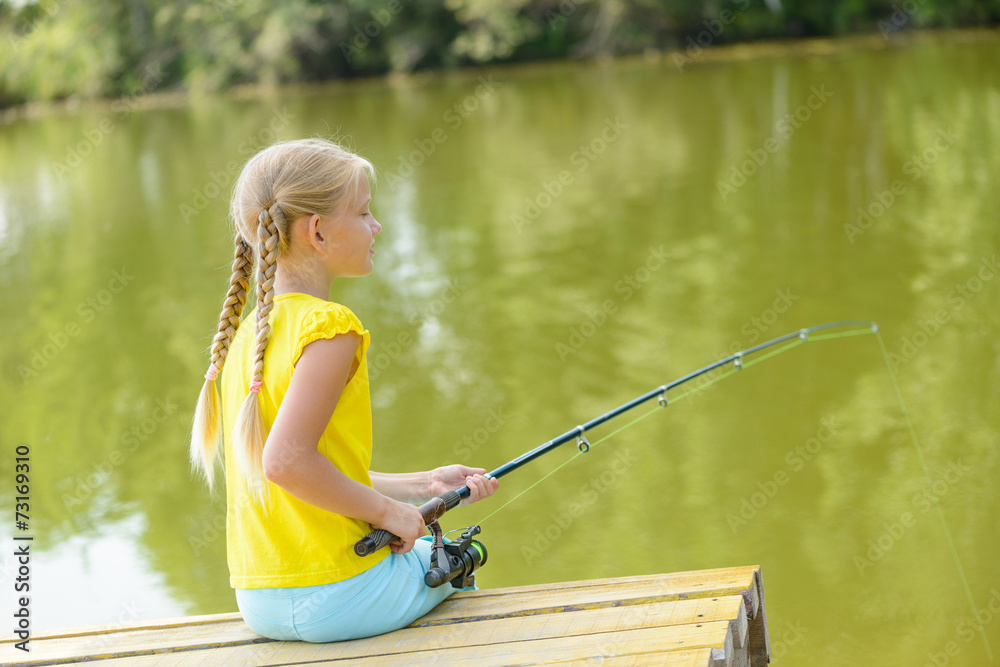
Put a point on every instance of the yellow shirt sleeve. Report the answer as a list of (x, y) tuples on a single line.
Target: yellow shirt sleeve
[(326, 322)]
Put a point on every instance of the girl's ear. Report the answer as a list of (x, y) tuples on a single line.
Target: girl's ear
[(314, 231)]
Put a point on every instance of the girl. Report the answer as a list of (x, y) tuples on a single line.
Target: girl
[(295, 394)]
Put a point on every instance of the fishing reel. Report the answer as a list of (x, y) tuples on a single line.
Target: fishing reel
[(455, 561)]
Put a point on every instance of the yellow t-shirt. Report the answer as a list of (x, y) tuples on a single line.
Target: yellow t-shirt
[(296, 544)]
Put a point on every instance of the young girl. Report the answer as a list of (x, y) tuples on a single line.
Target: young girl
[(297, 416)]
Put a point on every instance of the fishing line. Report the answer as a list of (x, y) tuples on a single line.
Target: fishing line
[(937, 501)]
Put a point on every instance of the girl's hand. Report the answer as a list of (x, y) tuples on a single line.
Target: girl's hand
[(454, 477), (405, 522)]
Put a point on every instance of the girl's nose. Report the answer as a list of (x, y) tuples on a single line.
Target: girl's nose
[(376, 228)]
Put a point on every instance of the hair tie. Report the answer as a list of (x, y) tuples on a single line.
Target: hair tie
[(212, 372), (256, 385)]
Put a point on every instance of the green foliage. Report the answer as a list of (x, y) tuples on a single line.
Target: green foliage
[(54, 49)]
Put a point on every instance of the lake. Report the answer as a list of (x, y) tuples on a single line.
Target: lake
[(558, 239)]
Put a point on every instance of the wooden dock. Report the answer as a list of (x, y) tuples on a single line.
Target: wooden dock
[(707, 618)]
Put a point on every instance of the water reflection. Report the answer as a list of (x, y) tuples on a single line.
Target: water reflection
[(510, 239)]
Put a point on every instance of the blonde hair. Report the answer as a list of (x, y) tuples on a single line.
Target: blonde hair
[(277, 186)]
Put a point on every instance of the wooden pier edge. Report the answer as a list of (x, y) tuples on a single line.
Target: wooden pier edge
[(706, 617), (760, 641)]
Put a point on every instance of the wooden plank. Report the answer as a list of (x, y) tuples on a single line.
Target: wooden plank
[(74, 648), (759, 648), (100, 646), (181, 621), (697, 658), (523, 601), (547, 599), (107, 641), (692, 578), (723, 573), (579, 648), (483, 634)]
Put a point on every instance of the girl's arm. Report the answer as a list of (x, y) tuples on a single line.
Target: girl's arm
[(419, 487), (409, 487), (291, 458)]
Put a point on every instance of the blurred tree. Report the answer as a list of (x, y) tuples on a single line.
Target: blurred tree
[(55, 49)]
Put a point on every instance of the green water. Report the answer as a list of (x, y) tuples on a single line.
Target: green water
[(573, 236)]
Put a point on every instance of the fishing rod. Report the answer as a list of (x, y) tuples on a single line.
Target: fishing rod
[(463, 556)]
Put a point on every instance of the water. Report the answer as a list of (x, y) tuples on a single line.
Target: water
[(557, 240)]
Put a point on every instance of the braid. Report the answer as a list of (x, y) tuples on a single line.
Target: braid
[(267, 265), (205, 432), (250, 431), (229, 320)]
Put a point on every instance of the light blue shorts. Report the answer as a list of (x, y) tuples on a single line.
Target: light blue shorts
[(387, 597)]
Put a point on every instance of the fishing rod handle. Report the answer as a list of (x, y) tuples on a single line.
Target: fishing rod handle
[(432, 510)]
